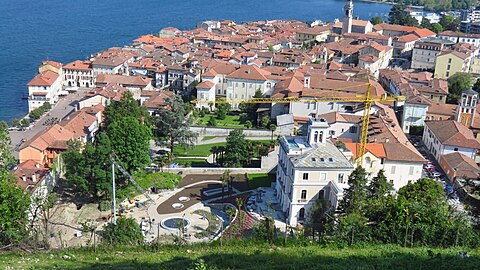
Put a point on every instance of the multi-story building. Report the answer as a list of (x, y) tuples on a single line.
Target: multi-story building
[(426, 51), (45, 87), (310, 168), (79, 74), (448, 136), (414, 112), (450, 62)]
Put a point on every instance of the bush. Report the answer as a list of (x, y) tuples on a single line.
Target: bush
[(212, 121), (125, 232), (38, 112), (105, 205)]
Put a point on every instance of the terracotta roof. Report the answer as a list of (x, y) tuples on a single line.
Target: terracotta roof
[(79, 65), (157, 99), (53, 137), (423, 32), (407, 38), (78, 123), (247, 72), (123, 80), (443, 109), (51, 63), (205, 85), (46, 78), (450, 132), (418, 99), (375, 149), (29, 173), (401, 152), (465, 166), (334, 117)]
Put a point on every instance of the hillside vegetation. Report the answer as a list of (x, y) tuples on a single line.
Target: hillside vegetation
[(246, 255)]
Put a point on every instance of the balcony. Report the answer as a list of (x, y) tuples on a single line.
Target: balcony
[(38, 98)]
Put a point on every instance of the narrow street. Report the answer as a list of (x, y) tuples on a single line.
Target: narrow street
[(64, 106)]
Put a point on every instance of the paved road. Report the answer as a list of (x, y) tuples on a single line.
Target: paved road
[(64, 106)]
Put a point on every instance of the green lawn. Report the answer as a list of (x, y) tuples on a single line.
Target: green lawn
[(207, 138), (256, 180), (161, 180), (230, 121), (197, 151), (245, 255), (193, 162), (202, 150)]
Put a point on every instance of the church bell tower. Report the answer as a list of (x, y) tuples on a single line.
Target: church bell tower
[(467, 108), (347, 17)]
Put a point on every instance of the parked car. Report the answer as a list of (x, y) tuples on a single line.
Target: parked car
[(162, 152), (435, 174), (428, 166)]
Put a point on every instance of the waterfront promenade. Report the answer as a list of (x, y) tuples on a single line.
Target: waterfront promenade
[(64, 106)]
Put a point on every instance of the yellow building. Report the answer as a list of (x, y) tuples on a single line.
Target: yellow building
[(451, 62)]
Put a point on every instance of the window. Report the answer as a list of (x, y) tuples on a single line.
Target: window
[(323, 176), (332, 132), (455, 149), (340, 178), (304, 195), (315, 136), (410, 172), (305, 176), (301, 214), (353, 129), (447, 74), (392, 171), (448, 67), (449, 61), (321, 194), (440, 98)]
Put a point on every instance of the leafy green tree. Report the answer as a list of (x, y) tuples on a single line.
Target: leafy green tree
[(476, 86), (355, 196), (425, 23), (424, 190), (172, 125), (249, 110), (212, 121), (353, 227), (127, 106), (14, 202), (125, 232), (457, 83), (16, 122), (265, 121), (449, 22), (376, 20), (130, 141), (222, 110), (320, 218), (379, 197), (436, 27), (236, 154), (398, 15)]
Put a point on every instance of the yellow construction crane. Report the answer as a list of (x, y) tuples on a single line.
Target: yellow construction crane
[(366, 99)]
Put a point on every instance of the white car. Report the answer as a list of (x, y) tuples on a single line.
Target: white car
[(436, 174)]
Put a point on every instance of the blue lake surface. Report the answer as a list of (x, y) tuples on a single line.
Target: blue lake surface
[(66, 30)]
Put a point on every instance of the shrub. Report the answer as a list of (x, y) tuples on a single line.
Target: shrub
[(125, 232), (105, 205), (212, 121)]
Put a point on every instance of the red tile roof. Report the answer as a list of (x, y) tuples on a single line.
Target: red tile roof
[(46, 78)]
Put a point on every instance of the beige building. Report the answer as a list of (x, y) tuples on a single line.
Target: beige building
[(450, 62)]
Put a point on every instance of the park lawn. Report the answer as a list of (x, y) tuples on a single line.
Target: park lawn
[(256, 180), (230, 121), (194, 162), (160, 180), (207, 138), (201, 150), (237, 254)]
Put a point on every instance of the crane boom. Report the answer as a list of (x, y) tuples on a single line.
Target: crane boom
[(130, 178)]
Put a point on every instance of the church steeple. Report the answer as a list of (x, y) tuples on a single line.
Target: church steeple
[(347, 17), (467, 108)]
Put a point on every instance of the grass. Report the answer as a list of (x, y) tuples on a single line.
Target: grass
[(160, 180), (230, 121), (256, 180), (193, 162), (207, 138), (201, 150), (245, 255)]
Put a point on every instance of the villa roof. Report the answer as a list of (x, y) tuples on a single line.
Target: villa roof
[(450, 132)]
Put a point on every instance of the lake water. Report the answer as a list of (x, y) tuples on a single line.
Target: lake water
[(66, 30)]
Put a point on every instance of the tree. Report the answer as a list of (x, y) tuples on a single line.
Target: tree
[(272, 128), (172, 125), (125, 232), (249, 110), (425, 23), (425, 190), (25, 122), (476, 86), (319, 217), (398, 15), (130, 141), (14, 202), (222, 110), (376, 20), (457, 83), (449, 22), (16, 122), (236, 154), (127, 106), (265, 121), (379, 196), (212, 121), (355, 197), (436, 27)]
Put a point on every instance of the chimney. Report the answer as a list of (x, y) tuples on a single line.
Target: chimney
[(37, 166), (34, 178), (24, 178), (306, 81), (387, 140)]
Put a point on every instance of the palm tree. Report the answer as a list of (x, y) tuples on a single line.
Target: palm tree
[(225, 178), (214, 151), (272, 128)]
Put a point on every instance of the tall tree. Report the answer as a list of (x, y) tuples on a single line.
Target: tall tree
[(449, 22), (249, 110), (379, 197), (398, 15), (355, 196), (457, 83), (236, 154), (476, 86), (130, 141), (14, 202), (126, 107), (172, 124)]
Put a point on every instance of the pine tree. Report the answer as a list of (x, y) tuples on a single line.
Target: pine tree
[(355, 197)]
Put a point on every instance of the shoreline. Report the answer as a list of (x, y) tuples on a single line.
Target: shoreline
[(390, 3)]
